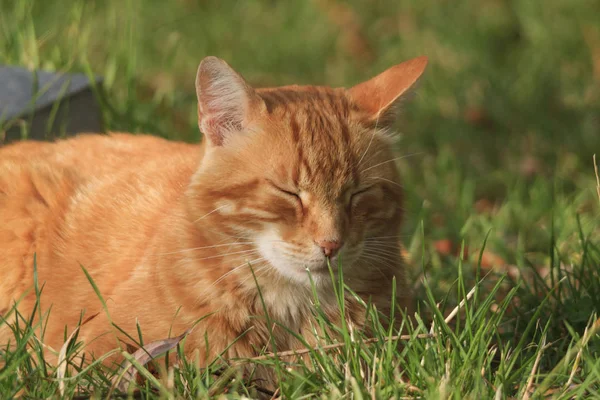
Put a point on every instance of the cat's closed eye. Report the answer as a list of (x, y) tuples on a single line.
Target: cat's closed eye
[(357, 193), (354, 197), (287, 192)]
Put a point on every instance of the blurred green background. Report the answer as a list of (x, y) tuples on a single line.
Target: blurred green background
[(501, 131)]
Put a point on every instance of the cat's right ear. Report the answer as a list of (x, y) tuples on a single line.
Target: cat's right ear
[(379, 97), (226, 103)]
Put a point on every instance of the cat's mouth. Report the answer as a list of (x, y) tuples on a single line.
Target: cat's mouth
[(316, 270), (307, 272), (303, 265)]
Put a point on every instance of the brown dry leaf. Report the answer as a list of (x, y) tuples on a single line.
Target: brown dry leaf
[(484, 206), (447, 247), (530, 167), (143, 356), (405, 254), (490, 260), (479, 117), (443, 246), (62, 356)]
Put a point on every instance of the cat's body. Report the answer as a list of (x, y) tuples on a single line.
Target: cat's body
[(173, 232)]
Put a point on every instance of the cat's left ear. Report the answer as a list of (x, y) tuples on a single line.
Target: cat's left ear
[(378, 97), (226, 103)]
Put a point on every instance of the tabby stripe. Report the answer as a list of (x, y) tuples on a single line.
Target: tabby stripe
[(269, 100), (281, 101), (295, 128), (228, 191)]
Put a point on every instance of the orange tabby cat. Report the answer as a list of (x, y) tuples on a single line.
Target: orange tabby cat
[(285, 179)]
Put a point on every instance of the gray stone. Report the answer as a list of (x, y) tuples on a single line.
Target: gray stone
[(47, 104)]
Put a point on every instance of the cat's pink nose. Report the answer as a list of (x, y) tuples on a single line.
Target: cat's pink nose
[(329, 247)]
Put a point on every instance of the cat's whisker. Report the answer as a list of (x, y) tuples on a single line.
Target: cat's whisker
[(374, 262), (393, 254), (217, 246), (233, 270), (379, 243), (249, 251), (367, 160), (387, 180), (372, 250), (206, 247), (387, 237), (379, 256), (387, 253), (394, 257), (370, 141), (368, 146), (260, 270), (245, 252), (207, 214), (371, 265), (382, 246), (383, 261), (291, 254), (387, 242), (392, 160)]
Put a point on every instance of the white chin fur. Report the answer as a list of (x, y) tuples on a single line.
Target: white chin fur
[(294, 270)]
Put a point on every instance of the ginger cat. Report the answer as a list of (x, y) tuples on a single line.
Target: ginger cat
[(284, 179)]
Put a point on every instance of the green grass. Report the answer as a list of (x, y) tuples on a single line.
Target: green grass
[(502, 133)]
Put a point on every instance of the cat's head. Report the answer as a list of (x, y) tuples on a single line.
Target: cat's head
[(305, 173)]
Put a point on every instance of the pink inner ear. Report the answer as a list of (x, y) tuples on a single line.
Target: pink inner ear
[(215, 129), (378, 94), (223, 100), (216, 120)]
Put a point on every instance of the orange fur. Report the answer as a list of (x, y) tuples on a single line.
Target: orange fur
[(168, 231)]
